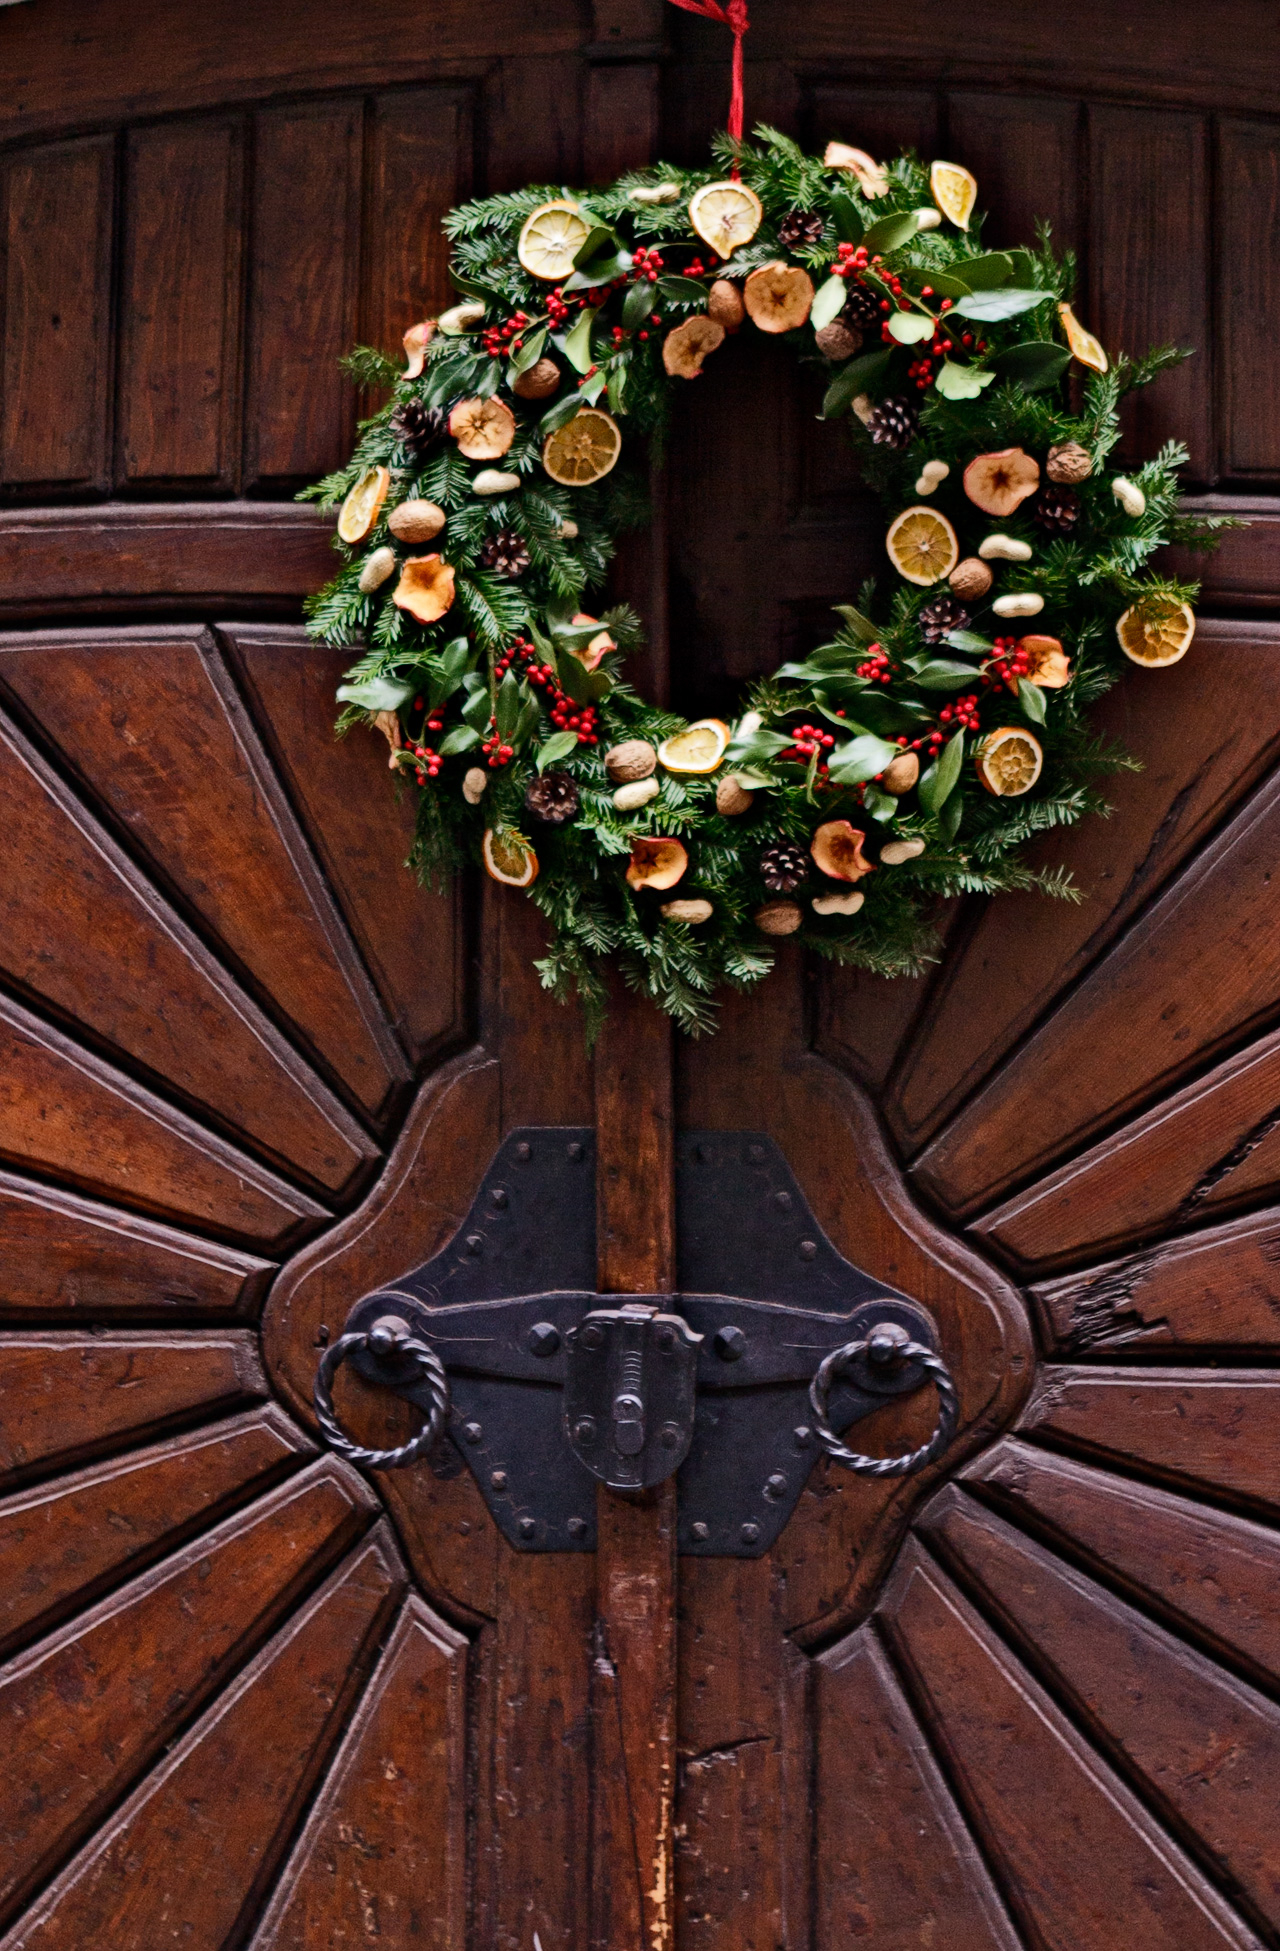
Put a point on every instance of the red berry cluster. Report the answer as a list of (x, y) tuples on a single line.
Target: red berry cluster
[(522, 652), (499, 340), (876, 665), (565, 715), (655, 318), (808, 739), (428, 762), (645, 264), (1007, 663), (559, 307), (850, 261), (494, 750), (697, 269), (961, 714)]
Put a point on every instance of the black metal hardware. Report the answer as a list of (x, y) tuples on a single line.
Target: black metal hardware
[(401, 1362), (884, 1345), (765, 1302)]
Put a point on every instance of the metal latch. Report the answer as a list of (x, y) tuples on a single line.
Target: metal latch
[(629, 1394)]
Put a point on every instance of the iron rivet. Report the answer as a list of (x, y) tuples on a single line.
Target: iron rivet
[(592, 1336), (577, 1527), (464, 1527), (498, 1199), (670, 1437), (782, 1200), (526, 1527), (585, 1431), (574, 1150), (322, 1335), (808, 1249), (701, 1531), (473, 1432), (731, 1344), (886, 1343), (543, 1338), (803, 1436), (666, 1339), (756, 1154), (475, 1243), (524, 1151), (750, 1533), (498, 1479), (776, 1486)]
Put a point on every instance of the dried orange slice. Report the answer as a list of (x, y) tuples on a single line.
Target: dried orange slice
[(584, 449), (508, 857), (725, 215), (1010, 761), (1156, 632), (363, 505), (550, 239), (955, 191), (699, 748), (1084, 346), (922, 546)]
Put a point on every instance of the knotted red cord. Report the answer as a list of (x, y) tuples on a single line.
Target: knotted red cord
[(733, 15)]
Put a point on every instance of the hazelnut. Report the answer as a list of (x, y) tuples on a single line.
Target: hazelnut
[(837, 341), (725, 305), (970, 578), (901, 775), (539, 382), (635, 758), (732, 797)]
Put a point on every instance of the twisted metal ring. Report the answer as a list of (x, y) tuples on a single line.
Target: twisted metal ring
[(430, 1371), (885, 1466)]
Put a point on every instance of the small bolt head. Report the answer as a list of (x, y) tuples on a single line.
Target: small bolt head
[(666, 1339), (730, 1344), (803, 1436), (526, 1527), (775, 1487), (498, 1199), (750, 1534), (782, 1200), (886, 1342), (701, 1531), (524, 1151), (498, 1479), (670, 1436), (475, 1243), (577, 1527), (592, 1335), (473, 1432), (575, 1150), (808, 1249), (585, 1429), (543, 1338), (386, 1332)]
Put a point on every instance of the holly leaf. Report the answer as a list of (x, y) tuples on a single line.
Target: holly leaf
[(557, 747), (862, 758), (846, 217), (909, 328), (759, 747), (969, 640), (459, 738), (591, 389), (599, 238), (943, 674), (988, 272), (944, 284), (529, 353), (862, 626), (1033, 364), (951, 815), (561, 413), (991, 306), (828, 302), (508, 707), (617, 381), (637, 305), (889, 233), (939, 782), (477, 711), (681, 291), (599, 272), (1032, 700), (577, 344), (881, 806), (376, 693), (855, 378), (527, 722), (446, 671), (956, 382), (583, 686)]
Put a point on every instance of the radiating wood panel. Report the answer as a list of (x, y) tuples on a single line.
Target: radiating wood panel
[(64, 1544), (383, 1853), (193, 1849), (68, 1255), (1246, 211), (70, 1396), (179, 393), (152, 721), (57, 315), (419, 166)]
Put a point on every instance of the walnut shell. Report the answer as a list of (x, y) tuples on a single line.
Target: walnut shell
[(686, 346), (725, 305), (901, 774), (837, 340), (416, 521), (1069, 463), (970, 578), (778, 918), (732, 797), (635, 758), (539, 382)]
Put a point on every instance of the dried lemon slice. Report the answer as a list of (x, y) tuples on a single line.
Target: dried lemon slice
[(955, 192), (1156, 632), (725, 215), (584, 449), (922, 546), (508, 857), (1010, 761), (699, 748), (550, 239), (1084, 346), (363, 505)]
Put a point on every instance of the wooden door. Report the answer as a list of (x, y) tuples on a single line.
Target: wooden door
[(252, 1697)]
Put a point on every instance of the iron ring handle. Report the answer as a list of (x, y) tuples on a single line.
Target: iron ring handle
[(885, 1466), (430, 1371)]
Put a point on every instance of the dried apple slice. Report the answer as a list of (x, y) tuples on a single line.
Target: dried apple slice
[(686, 346), (416, 341), (598, 647), (656, 863), (425, 588), (778, 297), (872, 178), (837, 850), (483, 429), (1047, 663), (999, 483)]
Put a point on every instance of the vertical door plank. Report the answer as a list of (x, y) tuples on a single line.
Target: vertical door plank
[(1025, 153), (1149, 268), (419, 167), (178, 418), (623, 119), (303, 289), (881, 120), (1246, 215), (57, 319)]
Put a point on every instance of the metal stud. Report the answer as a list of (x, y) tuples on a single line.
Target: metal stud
[(527, 1527), (701, 1531), (543, 1338), (498, 1478), (473, 1432), (750, 1534), (775, 1487), (808, 1249), (498, 1199), (577, 1527)]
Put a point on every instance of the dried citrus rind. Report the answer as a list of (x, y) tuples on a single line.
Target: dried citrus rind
[(922, 546), (508, 857), (726, 216), (699, 748), (1156, 632), (1084, 346), (955, 191), (1009, 761), (551, 237), (584, 449), (363, 505)]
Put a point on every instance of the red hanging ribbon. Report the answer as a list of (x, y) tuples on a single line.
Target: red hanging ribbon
[(733, 16)]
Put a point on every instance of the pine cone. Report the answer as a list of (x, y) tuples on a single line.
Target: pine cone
[(944, 614), (861, 308), (553, 798), (783, 866), (894, 423), (1056, 509), (505, 553), (800, 227), (418, 427)]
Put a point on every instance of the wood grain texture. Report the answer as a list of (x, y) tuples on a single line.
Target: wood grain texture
[(1026, 155), (68, 1542), (189, 1855), (94, 1705), (361, 823), (383, 1853), (1043, 1803), (899, 1867), (419, 149), (1247, 206), (64, 1255), (1209, 1573), (153, 723), (56, 367), (178, 387), (68, 1397), (1244, 570)]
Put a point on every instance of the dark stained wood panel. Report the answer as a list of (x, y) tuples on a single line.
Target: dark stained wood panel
[(71, 1396), (1026, 155), (179, 393), (97, 1703), (57, 317), (1246, 213), (153, 723), (419, 166), (905, 1871), (303, 289), (1045, 1806), (361, 823), (622, 118), (1150, 268), (66, 1112), (880, 120), (241, 1776), (1244, 570), (69, 1541), (64, 1254), (383, 1853)]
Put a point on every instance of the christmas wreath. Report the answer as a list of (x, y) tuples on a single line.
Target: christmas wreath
[(909, 758)]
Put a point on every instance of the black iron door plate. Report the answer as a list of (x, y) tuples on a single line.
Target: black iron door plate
[(553, 1386)]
